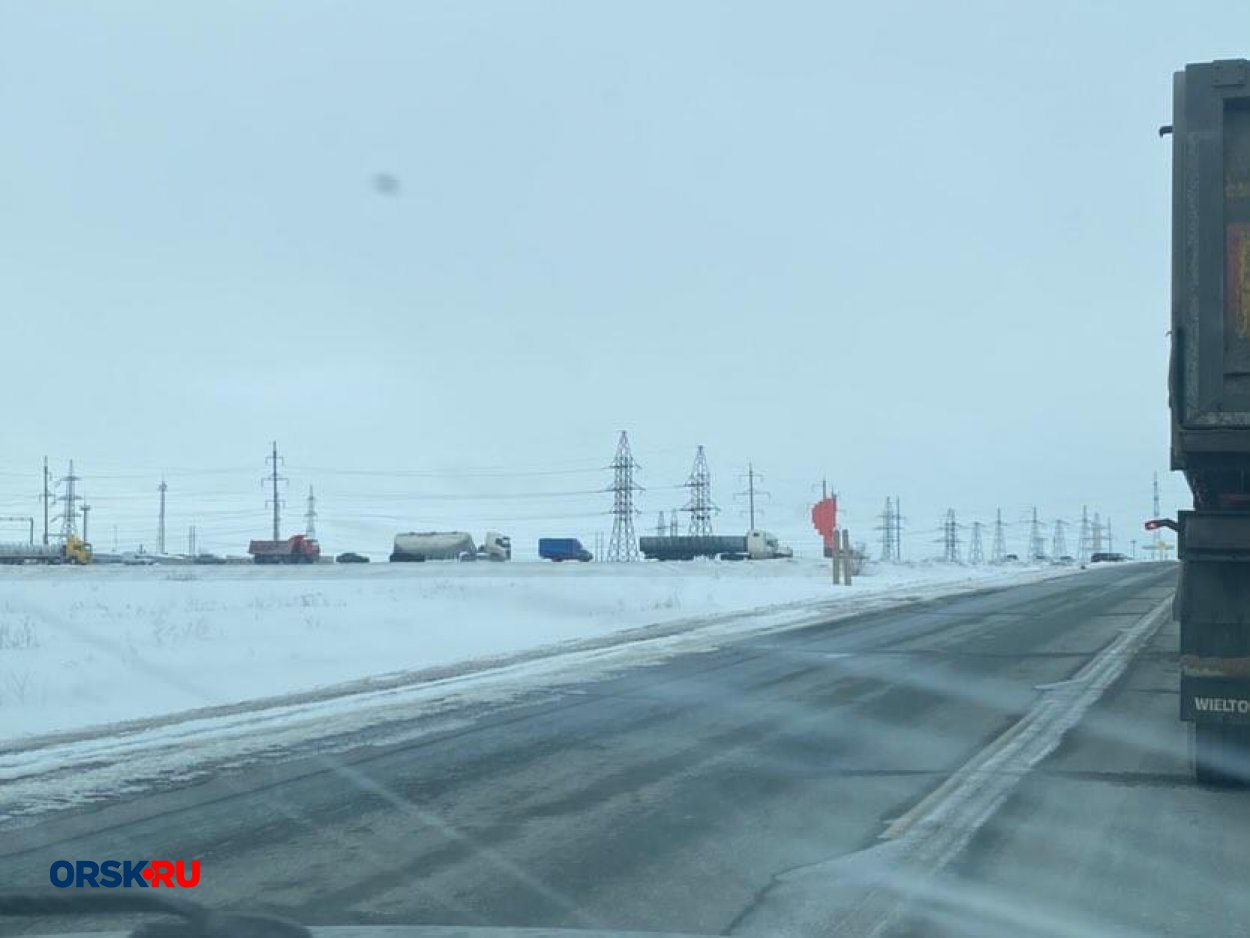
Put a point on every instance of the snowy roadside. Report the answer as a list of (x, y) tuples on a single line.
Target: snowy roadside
[(105, 645), (541, 630)]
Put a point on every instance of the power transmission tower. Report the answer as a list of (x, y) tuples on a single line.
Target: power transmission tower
[(661, 526), (1083, 542), (700, 505), (1097, 536), (998, 553), (69, 513), (623, 547), (274, 500), (673, 529), (1110, 539), (1037, 546), (975, 554), (310, 516), (1058, 543), (160, 524), (950, 538), (47, 497), (889, 533), (898, 529)]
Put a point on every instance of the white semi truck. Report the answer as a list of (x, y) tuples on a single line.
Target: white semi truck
[(418, 546)]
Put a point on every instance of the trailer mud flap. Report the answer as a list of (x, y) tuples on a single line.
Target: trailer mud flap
[(1215, 700)]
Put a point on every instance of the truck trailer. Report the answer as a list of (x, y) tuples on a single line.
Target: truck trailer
[(418, 546), (296, 549), (72, 550), (563, 548), (1209, 395), (754, 545)]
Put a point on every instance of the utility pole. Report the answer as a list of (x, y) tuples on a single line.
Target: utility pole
[(623, 547), (752, 477), (999, 552), (1156, 541), (274, 479), (48, 497), (114, 538), (751, 495), (160, 519), (975, 555), (1110, 539), (1083, 544), (673, 529), (310, 516), (191, 541)]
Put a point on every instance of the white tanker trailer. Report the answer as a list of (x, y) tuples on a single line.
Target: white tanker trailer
[(416, 546), (72, 550)]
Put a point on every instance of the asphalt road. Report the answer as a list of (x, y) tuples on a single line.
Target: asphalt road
[(717, 792)]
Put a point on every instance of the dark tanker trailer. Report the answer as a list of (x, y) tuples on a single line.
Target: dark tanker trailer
[(1209, 393)]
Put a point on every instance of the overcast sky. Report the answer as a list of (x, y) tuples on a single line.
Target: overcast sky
[(916, 248)]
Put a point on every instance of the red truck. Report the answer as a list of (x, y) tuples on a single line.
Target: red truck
[(297, 549)]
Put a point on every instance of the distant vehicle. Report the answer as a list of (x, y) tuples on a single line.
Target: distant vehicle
[(296, 549), (418, 546), (563, 548), (1104, 556), (138, 558), (754, 545), (496, 546), (1011, 557), (72, 550), (1067, 558), (350, 557), (208, 559)]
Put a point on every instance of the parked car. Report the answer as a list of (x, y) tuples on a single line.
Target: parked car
[(351, 557)]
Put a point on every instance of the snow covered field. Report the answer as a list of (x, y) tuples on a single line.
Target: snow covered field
[(81, 647)]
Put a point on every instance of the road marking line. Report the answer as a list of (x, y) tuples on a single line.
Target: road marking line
[(871, 888)]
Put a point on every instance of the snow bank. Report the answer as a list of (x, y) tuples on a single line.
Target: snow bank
[(80, 647)]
